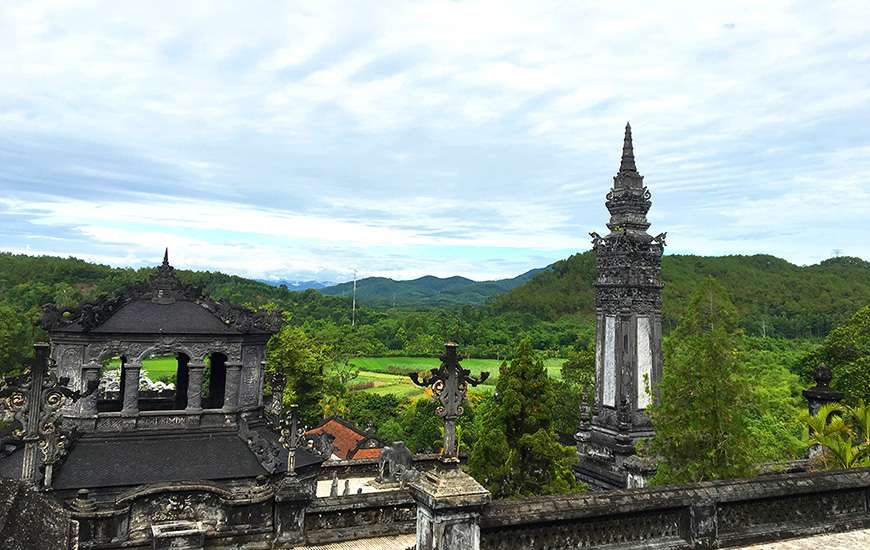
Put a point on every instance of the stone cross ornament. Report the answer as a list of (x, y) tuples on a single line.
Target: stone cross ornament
[(35, 400), (449, 384)]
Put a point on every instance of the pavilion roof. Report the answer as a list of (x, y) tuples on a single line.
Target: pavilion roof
[(163, 304)]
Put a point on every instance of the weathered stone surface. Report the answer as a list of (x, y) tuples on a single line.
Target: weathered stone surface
[(851, 540), (29, 520), (448, 510), (628, 330), (703, 515)]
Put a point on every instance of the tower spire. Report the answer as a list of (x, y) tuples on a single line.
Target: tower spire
[(166, 257), (627, 164)]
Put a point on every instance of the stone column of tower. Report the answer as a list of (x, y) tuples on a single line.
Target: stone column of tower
[(629, 328)]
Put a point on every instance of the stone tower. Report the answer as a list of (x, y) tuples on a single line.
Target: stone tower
[(628, 304)]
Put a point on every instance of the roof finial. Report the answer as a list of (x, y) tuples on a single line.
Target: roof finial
[(627, 164), (166, 257)]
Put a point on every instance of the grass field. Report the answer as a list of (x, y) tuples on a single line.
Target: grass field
[(390, 374), (157, 367)]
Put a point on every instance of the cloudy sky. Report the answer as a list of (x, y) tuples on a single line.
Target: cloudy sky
[(410, 138)]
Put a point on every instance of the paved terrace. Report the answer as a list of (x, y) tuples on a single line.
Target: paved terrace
[(851, 540)]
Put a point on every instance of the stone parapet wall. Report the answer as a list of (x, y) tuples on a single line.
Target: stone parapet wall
[(704, 515), (369, 466), (351, 517)]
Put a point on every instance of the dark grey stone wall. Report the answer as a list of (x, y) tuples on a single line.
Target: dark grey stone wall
[(704, 515), (29, 520)]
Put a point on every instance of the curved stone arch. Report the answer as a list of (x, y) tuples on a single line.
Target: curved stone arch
[(231, 350), (103, 351)]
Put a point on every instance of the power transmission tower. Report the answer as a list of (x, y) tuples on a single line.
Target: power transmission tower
[(353, 307)]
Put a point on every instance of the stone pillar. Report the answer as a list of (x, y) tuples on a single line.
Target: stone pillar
[(703, 524), (821, 394), (194, 387), (448, 510), (639, 470), (231, 393), (90, 374), (291, 500), (131, 387)]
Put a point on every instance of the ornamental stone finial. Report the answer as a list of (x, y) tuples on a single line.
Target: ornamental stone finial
[(449, 384)]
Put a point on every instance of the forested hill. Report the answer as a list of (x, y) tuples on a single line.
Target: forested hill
[(27, 282), (773, 296), (428, 290)]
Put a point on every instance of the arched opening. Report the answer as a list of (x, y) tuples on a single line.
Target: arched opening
[(182, 380), (214, 381), (110, 393), (158, 382)]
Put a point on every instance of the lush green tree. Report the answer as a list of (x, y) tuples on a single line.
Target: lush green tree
[(579, 368), (518, 453), (847, 351), (16, 340), (371, 409), (304, 363), (774, 418), (701, 416)]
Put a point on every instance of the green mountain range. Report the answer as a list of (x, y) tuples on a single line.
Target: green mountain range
[(427, 291), (773, 296)]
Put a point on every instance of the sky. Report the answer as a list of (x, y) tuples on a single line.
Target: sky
[(281, 140)]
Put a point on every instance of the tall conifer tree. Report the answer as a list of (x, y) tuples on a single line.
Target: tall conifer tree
[(517, 452), (700, 420)]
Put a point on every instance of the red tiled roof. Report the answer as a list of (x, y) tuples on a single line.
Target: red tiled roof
[(347, 438), (367, 453)]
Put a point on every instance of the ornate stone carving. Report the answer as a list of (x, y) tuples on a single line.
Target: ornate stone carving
[(628, 304), (449, 384), (176, 506), (35, 400), (818, 507), (395, 465), (266, 452), (162, 287), (617, 530)]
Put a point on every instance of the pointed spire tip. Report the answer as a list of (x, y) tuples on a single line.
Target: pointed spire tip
[(166, 256), (627, 162)]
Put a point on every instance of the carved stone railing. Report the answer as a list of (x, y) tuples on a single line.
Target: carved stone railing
[(351, 517), (704, 515), (159, 420), (231, 517)]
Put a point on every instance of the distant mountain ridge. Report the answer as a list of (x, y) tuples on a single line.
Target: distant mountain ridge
[(297, 285), (427, 291)]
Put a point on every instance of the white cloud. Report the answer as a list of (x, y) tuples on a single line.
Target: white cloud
[(420, 109)]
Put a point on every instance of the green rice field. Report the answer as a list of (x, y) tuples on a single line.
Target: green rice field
[(390, 374)]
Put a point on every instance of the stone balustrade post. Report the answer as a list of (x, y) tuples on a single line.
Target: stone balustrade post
[(704, 524), (90, 373), (818, 396), (131, 387), (449, 503), (292, 498), (231, 393), (194, 387)]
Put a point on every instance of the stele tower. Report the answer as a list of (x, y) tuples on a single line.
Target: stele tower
[(628, 305)]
